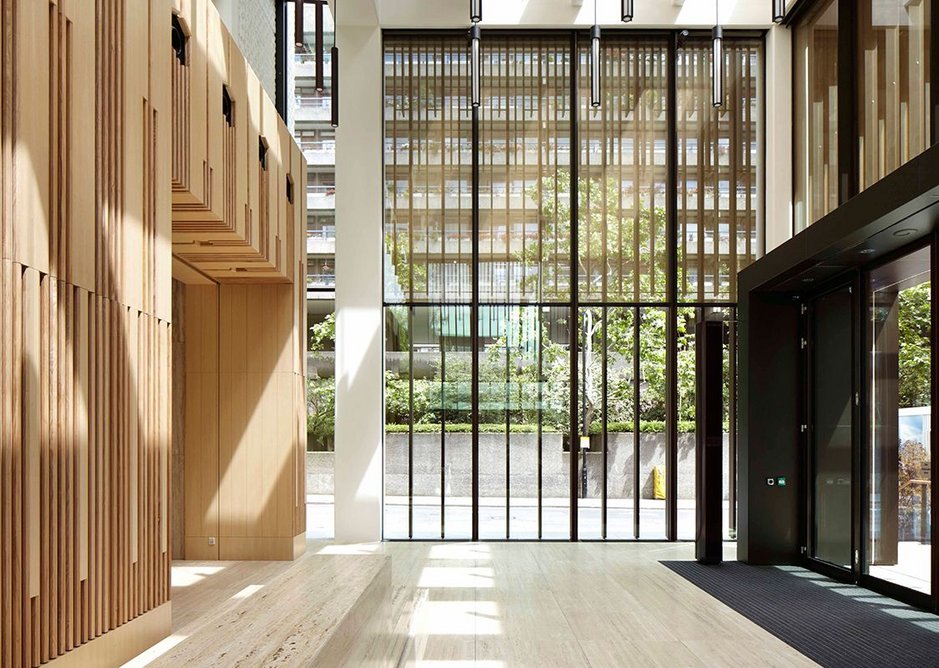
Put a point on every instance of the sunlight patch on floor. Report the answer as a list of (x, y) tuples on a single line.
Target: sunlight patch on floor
[(155, 652), (186, 576)]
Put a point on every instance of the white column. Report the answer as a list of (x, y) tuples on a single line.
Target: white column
[(778, 136), (359, 361)]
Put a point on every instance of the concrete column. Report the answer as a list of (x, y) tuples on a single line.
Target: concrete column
[(359, 212), (778, 136)]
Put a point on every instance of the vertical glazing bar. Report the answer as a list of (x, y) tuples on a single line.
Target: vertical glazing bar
[(605, 312), (637, 318), (732, 420), (444, 312), (934, 392), (507, 324), (671, 353), (574, 278), (410, 422), (540, 413), (474, 323)]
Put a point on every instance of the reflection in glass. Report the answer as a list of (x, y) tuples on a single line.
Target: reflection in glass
[(893, 85), (900, 454), (816, 115), (831, 410)]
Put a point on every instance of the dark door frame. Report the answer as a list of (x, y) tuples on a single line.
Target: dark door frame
[(858, 282)]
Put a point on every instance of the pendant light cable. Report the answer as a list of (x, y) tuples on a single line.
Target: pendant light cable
[(717, 59)]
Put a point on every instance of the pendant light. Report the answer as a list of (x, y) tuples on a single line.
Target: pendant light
[(476, 11), (475, 38), (595, 61), (779, 11), (298, 23), (627, 10), (320, 48), (334, 68), (717, 60)]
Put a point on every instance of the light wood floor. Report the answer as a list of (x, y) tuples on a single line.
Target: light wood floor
[(527, 604)]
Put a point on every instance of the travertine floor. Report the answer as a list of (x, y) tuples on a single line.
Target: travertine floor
[(457, 605), (564, 604)]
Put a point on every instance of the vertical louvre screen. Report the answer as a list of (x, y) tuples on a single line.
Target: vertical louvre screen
[(428, 171), (623, 253), (718, 160), (524, 178)]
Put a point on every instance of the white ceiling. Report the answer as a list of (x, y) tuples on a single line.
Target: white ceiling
[(552, 13)]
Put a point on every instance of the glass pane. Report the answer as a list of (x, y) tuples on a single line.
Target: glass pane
[(524, 177), (718, 161), (900, 490), (832, 401), (428, 445), (816, 115), (687, 447), (494, 359), (622, 239), (652, 422), (428, 171), (620, 411), (588, 444), (398, 403), (555, 422), (893, 85), (456, 371)]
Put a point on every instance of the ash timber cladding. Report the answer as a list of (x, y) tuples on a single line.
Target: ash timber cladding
[(106, 167)]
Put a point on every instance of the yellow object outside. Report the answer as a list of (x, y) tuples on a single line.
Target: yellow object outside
[(658, 483)]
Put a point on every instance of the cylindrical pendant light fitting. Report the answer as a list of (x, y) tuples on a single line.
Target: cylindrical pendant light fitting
[(320, 85), (475, 38), (717, 67), (595, 66), (779, 11), (627, 10), (298, 22), (476, 11), (334, 85)]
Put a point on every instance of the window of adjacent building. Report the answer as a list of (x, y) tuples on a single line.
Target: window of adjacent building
[(816, 115), (893, 85)]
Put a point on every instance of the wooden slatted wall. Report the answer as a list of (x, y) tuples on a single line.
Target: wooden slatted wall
[(229, 216), (85, 335)]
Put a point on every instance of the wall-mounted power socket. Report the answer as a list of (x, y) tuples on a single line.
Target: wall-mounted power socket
[(211, 540)]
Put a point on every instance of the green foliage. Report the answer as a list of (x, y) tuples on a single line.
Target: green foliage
[(915, 326), (321, 412), (323, 334), (645, 427)]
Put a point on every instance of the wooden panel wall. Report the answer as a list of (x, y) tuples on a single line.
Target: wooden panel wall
[(85, 334), (229, 215), (239, 222)]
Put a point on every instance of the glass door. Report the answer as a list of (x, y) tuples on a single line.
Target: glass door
[(899, 453), (831, 406)]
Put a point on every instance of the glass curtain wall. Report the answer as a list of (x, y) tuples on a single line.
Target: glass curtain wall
[(815, 74), (602, 439)]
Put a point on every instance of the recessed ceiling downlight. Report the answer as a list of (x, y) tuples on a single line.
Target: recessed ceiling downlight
[(905, 232)]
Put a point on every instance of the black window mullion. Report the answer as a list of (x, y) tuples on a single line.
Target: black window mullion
[(671, 357), (574, 278)]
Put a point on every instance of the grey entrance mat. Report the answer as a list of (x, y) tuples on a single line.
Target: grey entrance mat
[(831, 623)]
